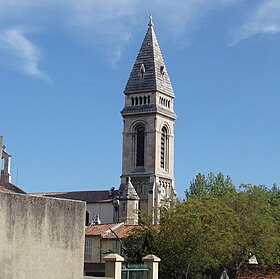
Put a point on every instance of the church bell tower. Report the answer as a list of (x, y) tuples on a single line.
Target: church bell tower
[(148, 129)]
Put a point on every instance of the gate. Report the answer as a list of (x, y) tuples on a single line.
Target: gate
[(135, 271)]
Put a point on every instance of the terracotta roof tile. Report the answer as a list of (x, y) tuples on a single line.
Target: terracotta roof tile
[(120, 230)]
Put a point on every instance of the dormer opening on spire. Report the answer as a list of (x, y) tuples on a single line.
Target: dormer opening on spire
[(142, 71)]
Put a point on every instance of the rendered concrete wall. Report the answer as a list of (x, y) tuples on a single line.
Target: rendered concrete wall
[(100, 247), (41, 237)]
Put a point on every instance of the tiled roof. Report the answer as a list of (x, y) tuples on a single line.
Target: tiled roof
[(87, 196), (150, 60), (120, 230)]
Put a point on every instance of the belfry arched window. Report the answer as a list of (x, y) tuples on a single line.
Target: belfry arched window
[(140, 146), (164, 149)]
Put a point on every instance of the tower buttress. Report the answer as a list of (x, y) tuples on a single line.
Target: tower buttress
[(129, 204)]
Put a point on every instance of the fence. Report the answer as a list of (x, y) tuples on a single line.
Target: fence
[(115, 268), (135, 271)]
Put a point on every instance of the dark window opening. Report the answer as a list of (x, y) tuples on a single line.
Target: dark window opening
[(163, 147), (140, 147), (87, 218)]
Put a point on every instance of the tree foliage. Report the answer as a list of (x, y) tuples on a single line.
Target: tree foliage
[(218, 227)]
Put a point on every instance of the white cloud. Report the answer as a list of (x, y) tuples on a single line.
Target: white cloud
[(265, 19), (110, 24), (21, 53)]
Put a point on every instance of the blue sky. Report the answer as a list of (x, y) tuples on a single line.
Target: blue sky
[(64, 66)]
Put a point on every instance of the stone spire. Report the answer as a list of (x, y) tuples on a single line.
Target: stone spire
[(149, 72)]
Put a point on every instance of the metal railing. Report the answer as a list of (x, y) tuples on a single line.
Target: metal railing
[(135, 271)]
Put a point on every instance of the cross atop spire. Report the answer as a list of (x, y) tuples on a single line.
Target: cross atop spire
[(151, 21)]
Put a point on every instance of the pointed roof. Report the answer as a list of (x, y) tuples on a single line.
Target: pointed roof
[(129, 192), (149, 71)]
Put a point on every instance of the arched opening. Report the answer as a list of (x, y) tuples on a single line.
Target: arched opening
[(140, 144), (164, 148)]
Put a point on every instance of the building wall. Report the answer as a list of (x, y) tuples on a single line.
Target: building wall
[(41, 237), (101, 247), (104, 210)]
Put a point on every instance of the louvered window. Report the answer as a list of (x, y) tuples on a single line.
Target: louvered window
[(140, 147), (88, 250), (163, 148)]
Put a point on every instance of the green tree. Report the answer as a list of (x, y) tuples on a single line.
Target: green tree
[(196, 236), (257, 231), (141, 242), (211, 185), (216, 228)]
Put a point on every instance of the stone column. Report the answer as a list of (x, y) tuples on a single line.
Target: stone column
[(152, 262), (113, 266)]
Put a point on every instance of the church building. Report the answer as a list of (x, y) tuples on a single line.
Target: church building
[(147, 179)]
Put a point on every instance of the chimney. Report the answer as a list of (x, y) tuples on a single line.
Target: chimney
[(97, 220)]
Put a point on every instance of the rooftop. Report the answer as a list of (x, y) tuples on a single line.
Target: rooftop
[(87, 196), (114, 230)]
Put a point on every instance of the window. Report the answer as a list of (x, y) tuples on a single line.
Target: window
[(116, 246), (140, 144), (87, 218), (163, 148), (88, 250)]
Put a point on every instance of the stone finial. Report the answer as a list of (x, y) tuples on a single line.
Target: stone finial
[(150, 21), (253, 260)]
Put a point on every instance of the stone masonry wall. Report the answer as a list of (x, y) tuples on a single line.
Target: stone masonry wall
[(41, 237)]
